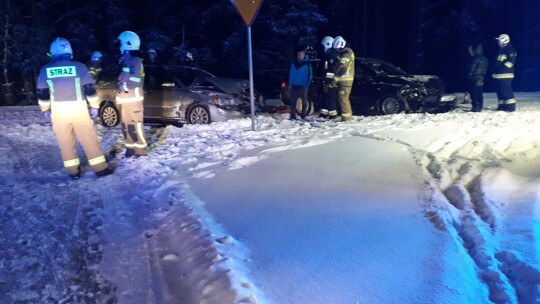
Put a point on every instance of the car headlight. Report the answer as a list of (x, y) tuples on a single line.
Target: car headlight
[(224, 101), (448, 97)]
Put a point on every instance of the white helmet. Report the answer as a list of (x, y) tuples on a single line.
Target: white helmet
[(503, 39), (96, 56), (327, 43), (339, 43), (129, 41), (60, 46)]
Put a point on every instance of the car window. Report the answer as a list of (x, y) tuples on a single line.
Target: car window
[(202, 82), (187, 75), (156, 76), (360, 72), (382, 67)]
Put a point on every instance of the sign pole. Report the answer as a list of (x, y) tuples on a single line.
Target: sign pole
[(248, 10), (251, 95)]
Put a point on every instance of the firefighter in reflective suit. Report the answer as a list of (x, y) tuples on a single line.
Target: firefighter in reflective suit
[(329, 109), (130, 95), (63, 89), (344, 76), (504, 74)]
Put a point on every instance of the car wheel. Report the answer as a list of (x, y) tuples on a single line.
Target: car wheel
[(109, 116), (298, 105), (198, 115), (390, 104)]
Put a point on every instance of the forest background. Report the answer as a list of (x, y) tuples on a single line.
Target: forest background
[(420, 36)]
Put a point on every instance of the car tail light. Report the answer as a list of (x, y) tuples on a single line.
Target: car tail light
[(215, 100)]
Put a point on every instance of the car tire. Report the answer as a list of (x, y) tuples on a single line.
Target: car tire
[(109, 115), (390, 104), (298, 107), (198, 115)]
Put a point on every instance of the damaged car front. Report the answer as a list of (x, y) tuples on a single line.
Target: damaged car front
[(394, 91), (226, 98), (176, 94)]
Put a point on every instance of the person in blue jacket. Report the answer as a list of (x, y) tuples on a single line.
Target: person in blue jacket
[(300, 77)]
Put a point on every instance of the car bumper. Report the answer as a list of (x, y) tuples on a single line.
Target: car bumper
[(448, 99), (219, 115)]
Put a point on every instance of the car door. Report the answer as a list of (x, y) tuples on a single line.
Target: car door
[(366, 90), (159, 93), (153, 93)]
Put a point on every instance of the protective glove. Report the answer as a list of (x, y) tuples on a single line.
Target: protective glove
[(94, 112), (47, 114), (122, 87), (330, 82)]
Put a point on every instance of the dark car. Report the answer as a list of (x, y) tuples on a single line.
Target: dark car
[(382, 88), (179, 94)]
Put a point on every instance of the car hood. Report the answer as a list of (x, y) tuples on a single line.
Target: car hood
[(229, 85), (428, 81)]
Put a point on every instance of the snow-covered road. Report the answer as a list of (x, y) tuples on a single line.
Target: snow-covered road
[(396, 209)]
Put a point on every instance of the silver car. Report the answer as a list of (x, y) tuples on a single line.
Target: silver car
[(167, 98)]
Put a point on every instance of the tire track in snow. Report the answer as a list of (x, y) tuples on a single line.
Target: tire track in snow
[(475, 220), (468, 214)]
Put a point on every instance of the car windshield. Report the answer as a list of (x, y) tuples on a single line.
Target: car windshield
[(227, 85), (186, 75), (383, 67)]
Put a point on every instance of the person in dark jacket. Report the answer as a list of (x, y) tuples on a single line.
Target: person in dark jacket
[(300, 77), (504, 74), (477, 72), (94, 66)]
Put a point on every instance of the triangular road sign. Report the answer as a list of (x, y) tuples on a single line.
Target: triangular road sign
[(247, 9)]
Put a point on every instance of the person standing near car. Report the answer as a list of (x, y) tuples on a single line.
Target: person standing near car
[(152, 56), (63, 89), (504, 74), (300, 76), (477, 72), (344, 76), (94, 66), (130, 95), (329, 109)]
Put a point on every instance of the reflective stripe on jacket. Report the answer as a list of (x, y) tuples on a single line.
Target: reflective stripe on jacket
[(67, 82), (131, 79), (505, 63), (345, 66)]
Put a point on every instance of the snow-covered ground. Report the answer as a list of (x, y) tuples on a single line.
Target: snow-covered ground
[(409, 208)]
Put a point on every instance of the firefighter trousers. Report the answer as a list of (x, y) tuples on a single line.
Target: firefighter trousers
[(330, 100), (505, 94), (344, 92), (70, 127), (132, 114)]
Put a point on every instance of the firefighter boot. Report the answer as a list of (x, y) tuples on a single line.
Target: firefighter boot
[(129, 152), (76, 175), (105, 172)]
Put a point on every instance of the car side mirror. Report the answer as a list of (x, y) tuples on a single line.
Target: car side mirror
[(167, 84)]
